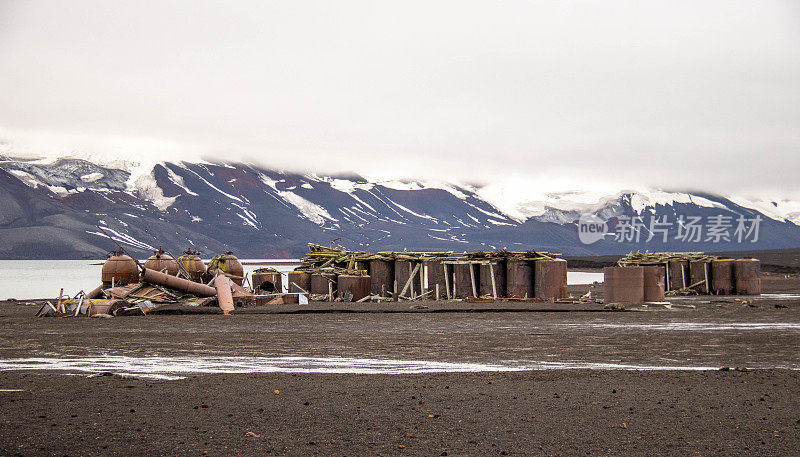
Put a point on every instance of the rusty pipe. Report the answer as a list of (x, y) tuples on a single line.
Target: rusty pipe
[(224, 295), (184, 285)]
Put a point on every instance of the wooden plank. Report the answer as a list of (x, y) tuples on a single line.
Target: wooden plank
[(410, 278), (472, 279), (446, 281), (494, 286)]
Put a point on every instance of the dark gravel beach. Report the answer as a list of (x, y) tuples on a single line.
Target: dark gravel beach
[(754, 411)]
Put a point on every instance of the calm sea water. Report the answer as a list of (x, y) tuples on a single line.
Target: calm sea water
[(27, 279)]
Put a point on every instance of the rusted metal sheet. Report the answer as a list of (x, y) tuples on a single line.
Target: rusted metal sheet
[(224, 294), (402, 271), (163, 262), (677, 274), (623, 285), (267, 280), (722, 277), (184, 285), (382, 274), (654, 285), (747, 274), (436, 271), (519, 279), (320, 281), (492, 279), (357, 286), (550, 279), (700, 273), (119, 269), (192, 264), (466, 280)]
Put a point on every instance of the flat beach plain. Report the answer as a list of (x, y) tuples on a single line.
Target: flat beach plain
[(695, 410)]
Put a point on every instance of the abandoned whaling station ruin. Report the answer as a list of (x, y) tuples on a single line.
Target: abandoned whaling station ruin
[(165, 284)]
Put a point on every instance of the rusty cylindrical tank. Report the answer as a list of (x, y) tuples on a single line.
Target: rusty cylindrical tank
[(722, 277), (677, 274), (623, 285), (654, 277), (402, 271), (357, 285), (296, 281), (382, 274), (320, 281), (487, 270), (163, 262), (267, 281), (466, 280), (747, 274), (700, 271), (227, 263), (436, 271), (550, 279), (519, 279), (120, 269), (192, 264)]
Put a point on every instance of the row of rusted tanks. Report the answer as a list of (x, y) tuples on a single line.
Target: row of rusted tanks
[(650, 278), (430, 276), (120, 269)]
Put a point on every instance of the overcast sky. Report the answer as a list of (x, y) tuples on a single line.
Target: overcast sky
[(679, 95)]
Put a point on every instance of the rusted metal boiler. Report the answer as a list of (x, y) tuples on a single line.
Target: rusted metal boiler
[(163, 262), (357, 286), (492, 281), (324, 283), (722, 277), (700, 276), (267, 281), (519, 279), (438, 274), (227, 263), (623, 285), (550, 279), (747, 274), (403, 269), (119, 269), (192, 264), (382, 274), (466, 280), (677, 274), (654, 286)]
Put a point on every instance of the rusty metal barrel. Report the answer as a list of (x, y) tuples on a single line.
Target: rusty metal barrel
[(382, 274), (161, 261), (356, 285), (120, 269), (700, 272), (623, 285), (402, 271), (677, 274), (299, 279), (654, 277), (492, 279), (519, 279), (437, 271), (320, 281), (267, 280), (466, 280), (550, 279), (747, 274), (192, 264), (722, 277)]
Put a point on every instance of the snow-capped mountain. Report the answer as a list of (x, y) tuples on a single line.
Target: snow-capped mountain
[(49, 208)]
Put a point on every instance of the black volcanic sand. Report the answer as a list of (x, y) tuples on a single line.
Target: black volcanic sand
[(554, 412)]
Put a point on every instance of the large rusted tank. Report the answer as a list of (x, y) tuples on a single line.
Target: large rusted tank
[(320, 281), (550, 279), (466, 280), (382, 274), (362, 265), (119, 269), (436, 277), (700, 271), (299, 279), (519, 279), (163, 262), (192, 264), (722, 277), (358, 286), (267, 281), (677, 274), (487, 271), (227, 263), (654, 277), (623, 285), (402, 271), (747, 274)]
